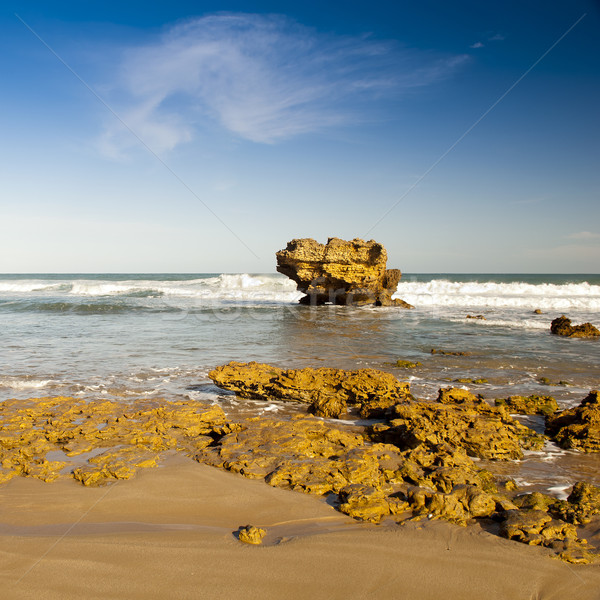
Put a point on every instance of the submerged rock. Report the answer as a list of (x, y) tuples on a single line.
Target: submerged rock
[(340, 272), (562, 326), (449, 353), (529, 405), (579, 427), (547, 381), (407, 364), (327, 390)]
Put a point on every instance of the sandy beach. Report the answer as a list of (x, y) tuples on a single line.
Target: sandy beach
[(300, 301), (169, 533)]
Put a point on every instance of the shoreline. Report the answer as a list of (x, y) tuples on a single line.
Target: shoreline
[(194, 553), (169, 531)]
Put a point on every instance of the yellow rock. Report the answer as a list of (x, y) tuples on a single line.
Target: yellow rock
[(251, 535)]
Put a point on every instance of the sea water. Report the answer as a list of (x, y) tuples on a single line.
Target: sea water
[(138, 335)]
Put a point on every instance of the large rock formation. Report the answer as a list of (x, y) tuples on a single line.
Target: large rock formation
[(340, 272)]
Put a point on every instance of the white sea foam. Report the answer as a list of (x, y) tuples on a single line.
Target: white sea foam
[(444, 293), (223, 287), (560, 491), (275, 288), (498, 322), (24, 383), (26, 286)]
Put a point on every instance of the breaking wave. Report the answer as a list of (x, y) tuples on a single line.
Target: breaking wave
[(490, 294)]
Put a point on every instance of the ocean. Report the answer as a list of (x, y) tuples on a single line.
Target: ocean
[(141, 335)]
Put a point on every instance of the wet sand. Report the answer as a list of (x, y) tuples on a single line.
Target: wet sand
[(169, 533)]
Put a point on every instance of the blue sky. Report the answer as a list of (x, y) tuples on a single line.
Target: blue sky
[(202, 136)]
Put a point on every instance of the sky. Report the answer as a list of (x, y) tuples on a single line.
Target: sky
[(202, 136)]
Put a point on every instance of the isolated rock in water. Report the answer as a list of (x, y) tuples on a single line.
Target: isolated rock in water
[(562, 326), (340, 272), (407, 364), (449, 353), (328, 390), (578, 427), (529, 405), (251, 535)]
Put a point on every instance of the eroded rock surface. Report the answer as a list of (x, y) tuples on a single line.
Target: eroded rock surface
[(463, 420), (123, 437), (578, 427), (328, 391), (373, 480), (529, 405), (340, 272), (582, 504), (537, 527), (250, 534), (414, 466), (562, 326)]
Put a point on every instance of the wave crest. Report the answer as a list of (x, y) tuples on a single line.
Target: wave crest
[(442, 292)]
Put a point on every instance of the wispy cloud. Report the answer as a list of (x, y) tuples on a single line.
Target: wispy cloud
[(262, 78), (496, 37), (584, 236)]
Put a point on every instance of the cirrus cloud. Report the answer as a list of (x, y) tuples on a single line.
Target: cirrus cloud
[(261, 78)]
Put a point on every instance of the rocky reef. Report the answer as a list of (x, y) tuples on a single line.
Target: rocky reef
[(328, 391), (579, 427), (340, 272), (100, 441), (462, 420), (562, 326), (417, 462)]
